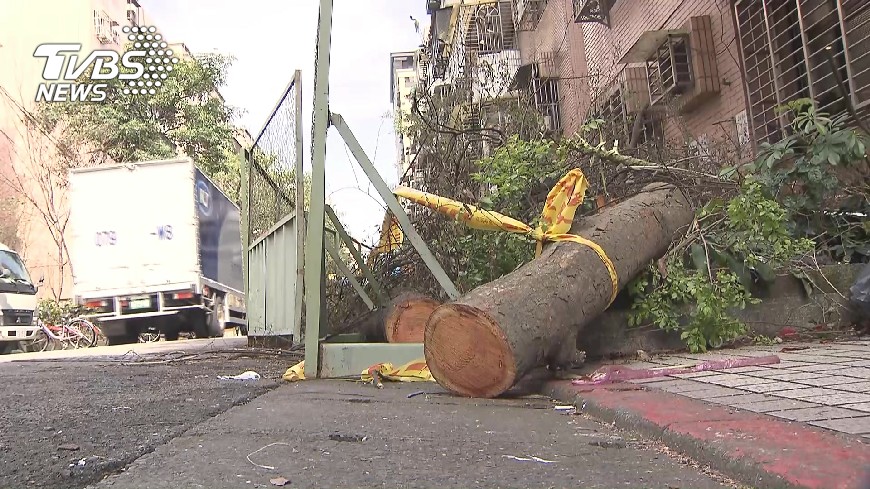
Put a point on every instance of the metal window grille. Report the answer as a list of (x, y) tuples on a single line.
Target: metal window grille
[(546, 97), (612, 107), (103, 27), (527, 14), (489, 28), (669, 70), (803, 48)]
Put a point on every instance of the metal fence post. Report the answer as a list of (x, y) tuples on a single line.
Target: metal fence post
[(299, 298), (314, 244), (380, 292), (394, 206), (245, 204)]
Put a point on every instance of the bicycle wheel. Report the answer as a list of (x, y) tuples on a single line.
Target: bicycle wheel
[(83, 333), (40, 341), (149, 337)]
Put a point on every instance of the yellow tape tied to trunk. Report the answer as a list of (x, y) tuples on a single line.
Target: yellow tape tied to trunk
[(556, 218)]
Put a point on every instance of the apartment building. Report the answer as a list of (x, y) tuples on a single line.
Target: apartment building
[(695, 73), (473, 50), (554, 68), (665, 70), (403, 81), (29, 195), (33, 205)]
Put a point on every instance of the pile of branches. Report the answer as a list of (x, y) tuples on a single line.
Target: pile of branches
[(448, 158)]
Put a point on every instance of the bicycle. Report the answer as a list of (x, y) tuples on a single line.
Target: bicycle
[(149, 336), (76, 333)]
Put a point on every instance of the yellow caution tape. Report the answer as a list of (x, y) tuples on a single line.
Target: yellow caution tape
[(416, 371), (556, 218), (391, 235), (294, 373)]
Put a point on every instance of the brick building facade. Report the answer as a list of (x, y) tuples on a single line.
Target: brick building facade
[(696, 73)]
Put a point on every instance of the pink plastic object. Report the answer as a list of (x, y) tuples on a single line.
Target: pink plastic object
[(619, 373)]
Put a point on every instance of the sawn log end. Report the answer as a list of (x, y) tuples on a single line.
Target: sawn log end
[(467, 352)]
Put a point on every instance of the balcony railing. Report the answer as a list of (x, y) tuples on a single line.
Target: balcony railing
[(527, 14)]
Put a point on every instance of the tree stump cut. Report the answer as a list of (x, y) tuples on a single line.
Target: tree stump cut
[(403, 320)]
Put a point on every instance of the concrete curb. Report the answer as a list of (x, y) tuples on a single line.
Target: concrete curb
[(758, 450)]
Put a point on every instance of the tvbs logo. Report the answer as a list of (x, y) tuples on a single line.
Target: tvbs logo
[(143, 67)]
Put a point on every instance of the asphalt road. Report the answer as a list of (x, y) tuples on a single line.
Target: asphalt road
[(60, 408), (88, 417)]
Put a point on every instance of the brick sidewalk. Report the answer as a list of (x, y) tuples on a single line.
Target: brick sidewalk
[(824, 385), (802, 423)]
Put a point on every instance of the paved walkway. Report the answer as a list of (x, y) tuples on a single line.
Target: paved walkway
[(320, 433), (824, 385), (801, 423)]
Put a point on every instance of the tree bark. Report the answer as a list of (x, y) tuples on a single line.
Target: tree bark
[(403, 320), (485, 342)]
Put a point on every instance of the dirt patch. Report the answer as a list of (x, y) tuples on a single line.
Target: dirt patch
[(69, 424)]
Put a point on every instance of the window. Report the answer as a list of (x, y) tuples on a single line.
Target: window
[(491, 28), (11, 267), (546, 96), (794, 49), (619, 121), (488, 24), (104, 28), (856, 23), (669, 69), (528, 14)]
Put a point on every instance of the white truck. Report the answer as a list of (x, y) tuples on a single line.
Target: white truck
[(17, 301), (156, 246)]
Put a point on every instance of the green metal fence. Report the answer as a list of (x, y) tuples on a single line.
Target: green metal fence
[(273, 203), (273, 162)]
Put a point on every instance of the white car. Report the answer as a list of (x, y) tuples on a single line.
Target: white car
[(17, 301)]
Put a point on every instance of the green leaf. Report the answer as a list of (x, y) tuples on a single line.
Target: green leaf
[(699, 257), (765, 272), (728, 172), (739, 269)]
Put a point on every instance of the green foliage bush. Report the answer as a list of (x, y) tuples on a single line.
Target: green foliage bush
[(57, 312), (514, 177), (793, 201)]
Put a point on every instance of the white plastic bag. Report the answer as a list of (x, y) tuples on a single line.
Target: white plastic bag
[(248, 375)]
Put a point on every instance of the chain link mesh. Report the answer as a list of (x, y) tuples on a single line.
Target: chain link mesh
[(272, 185)]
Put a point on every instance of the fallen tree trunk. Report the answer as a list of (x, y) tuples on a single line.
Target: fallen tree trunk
[(483, 343), (403, 320)]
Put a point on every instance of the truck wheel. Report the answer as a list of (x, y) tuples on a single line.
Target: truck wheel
[(6, 347), (200, 320), (217, 317)]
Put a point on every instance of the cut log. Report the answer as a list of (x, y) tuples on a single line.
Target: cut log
[(482, 344), (403, 320)]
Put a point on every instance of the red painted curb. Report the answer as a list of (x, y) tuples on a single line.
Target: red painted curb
[(753, 448)]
